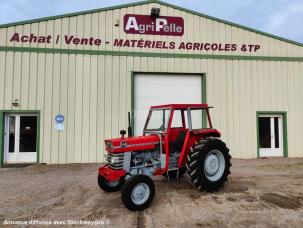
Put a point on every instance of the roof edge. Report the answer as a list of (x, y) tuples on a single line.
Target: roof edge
[(147, 2), (60, 16)]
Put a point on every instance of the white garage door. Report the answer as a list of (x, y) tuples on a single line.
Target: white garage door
[(158, 89)]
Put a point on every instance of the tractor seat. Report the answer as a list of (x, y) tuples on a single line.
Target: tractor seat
[(178, 143)]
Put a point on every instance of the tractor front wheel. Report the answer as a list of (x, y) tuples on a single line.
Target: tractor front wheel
[(109, 186), (208, 164), (138, 192)]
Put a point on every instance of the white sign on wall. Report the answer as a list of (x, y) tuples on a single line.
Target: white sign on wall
[(59, 119)]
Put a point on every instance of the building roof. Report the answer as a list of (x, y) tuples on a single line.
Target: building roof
[(147, 2)]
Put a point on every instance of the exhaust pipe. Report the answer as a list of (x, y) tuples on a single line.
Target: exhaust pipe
[(129, 129)]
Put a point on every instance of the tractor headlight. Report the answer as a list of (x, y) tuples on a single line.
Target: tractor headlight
[(115, 160), (109, 145)]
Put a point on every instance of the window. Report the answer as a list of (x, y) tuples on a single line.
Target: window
[(158, 120), (196, 117), (177, 119), (264, 132)]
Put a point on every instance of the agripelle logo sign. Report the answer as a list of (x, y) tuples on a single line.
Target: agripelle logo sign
[(145, 24)]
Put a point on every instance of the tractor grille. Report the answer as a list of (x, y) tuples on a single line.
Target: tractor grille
[(115, 160)]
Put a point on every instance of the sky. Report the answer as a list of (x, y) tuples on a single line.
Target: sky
[(279, 17)]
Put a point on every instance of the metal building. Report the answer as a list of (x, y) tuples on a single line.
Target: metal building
[(68, 81)]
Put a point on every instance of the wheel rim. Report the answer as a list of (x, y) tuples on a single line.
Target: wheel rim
[(112, 183), (140, 193), (214, 165)]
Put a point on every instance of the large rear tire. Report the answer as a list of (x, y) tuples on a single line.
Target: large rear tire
[(138, 192), (108, 186), (208, 164)]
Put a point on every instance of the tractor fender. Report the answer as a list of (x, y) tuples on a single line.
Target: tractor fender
[(111, 174)]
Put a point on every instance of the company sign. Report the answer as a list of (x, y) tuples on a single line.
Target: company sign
[(145, 24)]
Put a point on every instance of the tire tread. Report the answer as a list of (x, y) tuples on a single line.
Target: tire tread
[(195, 163)]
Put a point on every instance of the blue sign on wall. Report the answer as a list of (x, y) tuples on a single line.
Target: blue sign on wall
[(59, 118)]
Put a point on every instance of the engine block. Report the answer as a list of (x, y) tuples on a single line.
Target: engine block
[(144, 162)]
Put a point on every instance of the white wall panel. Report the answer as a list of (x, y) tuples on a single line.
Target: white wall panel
[(24, 82), (63, 107), (93, 110), (47, 106), (100, 108), (2, 78), (17, 77), (32, 81), (85, 132), (71, 110), (78, 108)]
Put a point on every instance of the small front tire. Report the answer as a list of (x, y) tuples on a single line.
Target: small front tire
[(138, 192), (108, 186)]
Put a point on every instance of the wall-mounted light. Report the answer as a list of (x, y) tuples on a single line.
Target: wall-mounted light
[(155, 12), (15, 103), (117, 22)]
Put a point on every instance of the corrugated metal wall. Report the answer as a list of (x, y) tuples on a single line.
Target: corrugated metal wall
[(94, 92)]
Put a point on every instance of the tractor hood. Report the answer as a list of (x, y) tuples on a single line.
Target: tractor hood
[(126, 144)]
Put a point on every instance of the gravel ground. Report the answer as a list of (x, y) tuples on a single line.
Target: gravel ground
[(259, 193)]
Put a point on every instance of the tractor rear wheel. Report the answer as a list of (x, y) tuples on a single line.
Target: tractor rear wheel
[(138, 192), (109, 186), (208, 164)]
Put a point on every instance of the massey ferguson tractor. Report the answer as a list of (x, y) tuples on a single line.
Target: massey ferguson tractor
[(173, 143)]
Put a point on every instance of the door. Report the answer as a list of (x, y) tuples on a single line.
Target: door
[(157, 89), (270, 135), (20, 138)]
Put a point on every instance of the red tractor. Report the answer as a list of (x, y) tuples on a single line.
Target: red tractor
[(173, 143)]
